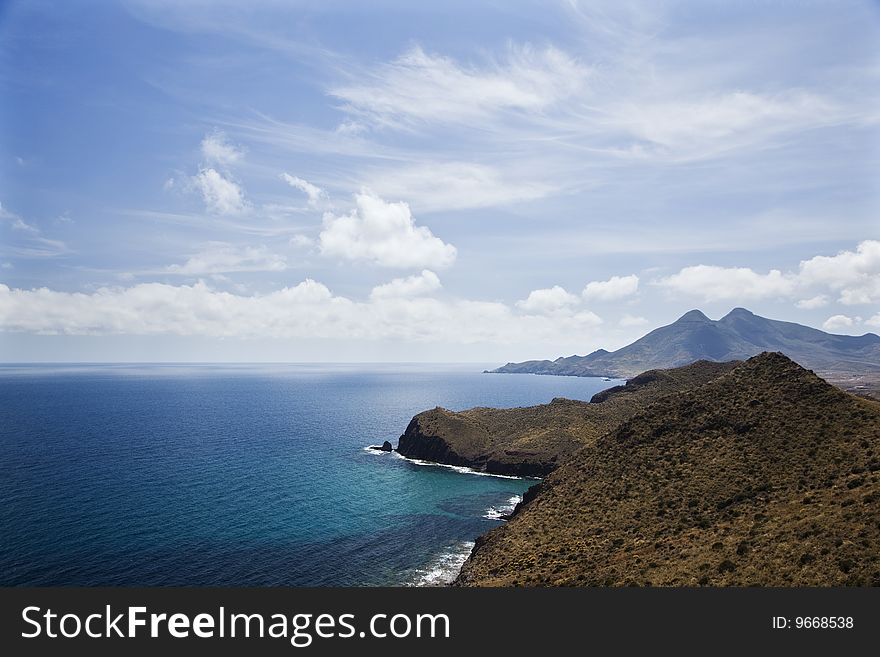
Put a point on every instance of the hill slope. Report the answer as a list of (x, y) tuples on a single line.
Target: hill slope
[(765, 475), (531, 441), (738, 335)]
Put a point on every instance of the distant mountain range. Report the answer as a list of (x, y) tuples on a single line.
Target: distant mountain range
[(738, 335)]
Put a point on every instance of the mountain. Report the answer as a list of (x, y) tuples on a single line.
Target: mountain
[(765, 475), (533, 441), (738, 335)]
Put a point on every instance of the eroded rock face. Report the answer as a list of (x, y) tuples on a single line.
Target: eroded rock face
[(443, 436)]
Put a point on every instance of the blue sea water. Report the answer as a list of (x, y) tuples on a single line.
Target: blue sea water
[(244, 475)]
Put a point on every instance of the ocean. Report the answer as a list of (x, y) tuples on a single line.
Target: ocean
[(242, 475)]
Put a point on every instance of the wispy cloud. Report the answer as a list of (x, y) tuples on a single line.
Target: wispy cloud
[(431, 88), (27, 240), (314, 193), (222, 258)]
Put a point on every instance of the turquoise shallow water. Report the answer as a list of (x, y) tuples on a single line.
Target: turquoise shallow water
[(241, 475)]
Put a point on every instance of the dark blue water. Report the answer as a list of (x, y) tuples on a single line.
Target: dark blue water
[(240, 475)]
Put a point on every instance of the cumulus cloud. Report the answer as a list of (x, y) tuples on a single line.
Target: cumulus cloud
[(837, 323), (314, 193), (855, 275), (411, 286), (420, 86), (818, 301), (220, 194), (548, 300), (385, 234), (221, 257), (713, 283), (217, 150), (306, 310), (616, 287), (873, 321)]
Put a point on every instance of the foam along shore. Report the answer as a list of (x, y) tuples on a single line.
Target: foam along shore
[(371, 449), (443, 569), (463, 469)]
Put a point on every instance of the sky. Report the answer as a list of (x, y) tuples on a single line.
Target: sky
[(433, 181)]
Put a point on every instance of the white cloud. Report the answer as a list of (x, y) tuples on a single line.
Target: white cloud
[(221, 195), (454, 185), (301, 241), (418, 86), (720, 122), (383, 233), (307, 310), (218, 257), (411, 286), (818, 301), (218, 151), (548, 301), (16, 222), (855, 275), (873, 321), (628, 321), (616, 287), (838, 323), (713, 283), (314, 193)]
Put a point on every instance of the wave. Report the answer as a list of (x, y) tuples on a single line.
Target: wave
[(458, 468), (444, 568), (498, 512)]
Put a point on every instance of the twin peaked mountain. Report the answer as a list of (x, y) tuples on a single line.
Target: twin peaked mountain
[(738, 335)]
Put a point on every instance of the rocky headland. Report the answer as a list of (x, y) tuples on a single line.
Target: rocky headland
[(765, 475), (534, 441), (744, 473)]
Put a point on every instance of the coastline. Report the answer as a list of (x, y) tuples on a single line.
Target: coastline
[(444, 568)]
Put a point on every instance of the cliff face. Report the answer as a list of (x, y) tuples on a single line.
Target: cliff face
[(765, 475), (533, 441)]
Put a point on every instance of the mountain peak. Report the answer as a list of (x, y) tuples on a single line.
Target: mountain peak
[(693, 316), (738, 312)]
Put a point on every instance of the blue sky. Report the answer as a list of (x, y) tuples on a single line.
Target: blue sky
[(429, 181)]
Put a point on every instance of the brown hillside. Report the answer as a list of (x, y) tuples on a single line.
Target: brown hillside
[(531, 441), (765, 476)]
